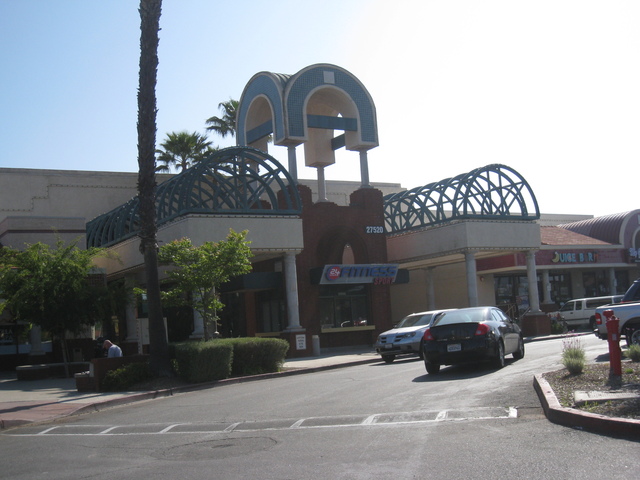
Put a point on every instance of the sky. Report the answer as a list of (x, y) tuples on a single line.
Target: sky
[(549, 88)]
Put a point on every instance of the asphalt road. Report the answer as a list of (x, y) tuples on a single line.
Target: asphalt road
[(370, 421)]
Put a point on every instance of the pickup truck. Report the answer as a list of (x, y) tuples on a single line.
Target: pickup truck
[(627, 312)]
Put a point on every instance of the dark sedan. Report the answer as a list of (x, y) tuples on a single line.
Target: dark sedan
[(469, 335)]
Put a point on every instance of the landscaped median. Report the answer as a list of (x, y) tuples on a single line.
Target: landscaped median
[(572, 417)]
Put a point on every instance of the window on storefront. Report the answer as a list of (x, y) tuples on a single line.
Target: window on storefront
[(595, 283), (622, 282), (343, 306), (560, 287), (271, 316), (512, 294)]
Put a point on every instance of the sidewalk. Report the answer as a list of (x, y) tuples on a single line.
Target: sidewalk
[(27, 402)]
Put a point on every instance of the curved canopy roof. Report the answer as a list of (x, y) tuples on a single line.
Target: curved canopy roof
[(491, 192), (236, 180)]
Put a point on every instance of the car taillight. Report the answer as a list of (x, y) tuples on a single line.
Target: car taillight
[(598, 319), (427, 337), (482, 329)]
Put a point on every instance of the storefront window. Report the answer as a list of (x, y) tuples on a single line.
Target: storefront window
[(271, 316), (343, 306), (560, 288), (512, 294), (622, 282)]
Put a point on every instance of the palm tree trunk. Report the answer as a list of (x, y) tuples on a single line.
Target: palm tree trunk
[(149, 27)]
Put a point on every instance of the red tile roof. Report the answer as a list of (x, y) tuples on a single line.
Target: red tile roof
[(562, 236)]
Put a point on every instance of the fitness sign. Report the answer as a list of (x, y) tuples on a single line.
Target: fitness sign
[(383, 274)]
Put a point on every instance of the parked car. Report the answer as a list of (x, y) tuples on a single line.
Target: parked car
[(470, 335), (581, 312), (406, 336)]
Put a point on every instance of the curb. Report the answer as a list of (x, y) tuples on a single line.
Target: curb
[(571, 417)]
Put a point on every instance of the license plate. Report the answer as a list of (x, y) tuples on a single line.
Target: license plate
[(388, 346), (454, 347)]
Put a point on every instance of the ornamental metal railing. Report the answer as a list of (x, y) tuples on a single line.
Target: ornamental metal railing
[(491, 192), (235, 180)]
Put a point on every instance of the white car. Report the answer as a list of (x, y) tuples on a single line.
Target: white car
[(406, 336)]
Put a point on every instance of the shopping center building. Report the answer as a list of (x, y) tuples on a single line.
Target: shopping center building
[(335, 263)]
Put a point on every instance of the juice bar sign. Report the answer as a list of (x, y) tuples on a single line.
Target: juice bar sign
[(376, 274)]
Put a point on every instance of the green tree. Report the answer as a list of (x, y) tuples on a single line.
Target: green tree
[(150, 10), (225, 125), (181, 150), (199, 271), (49, 287)]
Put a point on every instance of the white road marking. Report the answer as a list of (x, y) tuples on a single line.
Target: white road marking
[(367, 421)]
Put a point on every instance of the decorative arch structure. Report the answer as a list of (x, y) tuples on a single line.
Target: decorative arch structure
[(306, 108), (236, 180), (491, 192)]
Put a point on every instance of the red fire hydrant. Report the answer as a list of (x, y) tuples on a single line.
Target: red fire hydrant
[(613, 334)]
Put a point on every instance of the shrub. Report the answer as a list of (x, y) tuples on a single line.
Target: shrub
[(125, 377), (633, 353), (203, 361), (557, 327), (573, 357), (253, 356)]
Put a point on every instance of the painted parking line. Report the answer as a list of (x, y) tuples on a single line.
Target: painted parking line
[(337, 421)]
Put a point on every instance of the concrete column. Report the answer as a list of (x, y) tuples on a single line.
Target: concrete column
[(293, 164), (35, 340), (613, 285), (198, 324), (430, 290), (472, 278), (130, 310), (322, 186), (532, 277), (364, 169), (291, 282), (546, 287)]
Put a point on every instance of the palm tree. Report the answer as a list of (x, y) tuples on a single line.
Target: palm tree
[(149, 27), (181, 150), (227, 124)]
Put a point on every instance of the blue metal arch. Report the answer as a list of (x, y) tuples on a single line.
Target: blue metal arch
[(236, 180), (491, 192), (271, 86), (307, 80)]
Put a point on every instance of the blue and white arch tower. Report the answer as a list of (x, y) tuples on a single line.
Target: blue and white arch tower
[(306, 108)]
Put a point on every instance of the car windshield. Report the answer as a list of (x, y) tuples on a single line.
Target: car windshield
[(415, 320), (460, 316)]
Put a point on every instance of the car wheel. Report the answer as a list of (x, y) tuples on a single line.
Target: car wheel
[(421, 352), (519, 353), (592, 323), (432, 368), (634, 337), (499, 360), (388, 358)]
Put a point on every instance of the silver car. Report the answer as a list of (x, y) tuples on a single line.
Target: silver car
[(406, 336)]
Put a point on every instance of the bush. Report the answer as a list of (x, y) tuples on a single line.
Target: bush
[(573, 357), (125, 377), (633, 353), (254, 355), (203, 361)]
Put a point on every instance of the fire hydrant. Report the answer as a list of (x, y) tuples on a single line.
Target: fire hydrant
[(613, 334)]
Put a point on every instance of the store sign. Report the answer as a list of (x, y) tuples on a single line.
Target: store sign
[(575, 257), (384, 274)]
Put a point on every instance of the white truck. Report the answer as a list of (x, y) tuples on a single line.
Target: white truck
[(627, 312)]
